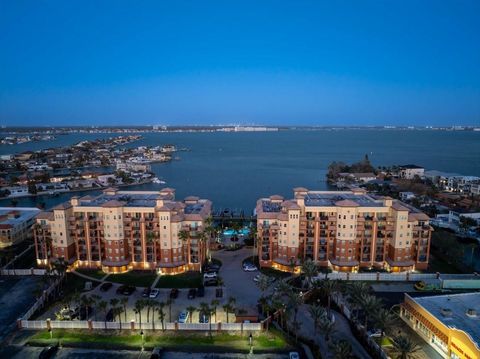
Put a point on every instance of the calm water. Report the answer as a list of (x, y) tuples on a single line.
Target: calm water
[(235, 169)]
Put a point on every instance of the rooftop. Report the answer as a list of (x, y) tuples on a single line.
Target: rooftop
[(330, 199), (16, 215), (452, 309)]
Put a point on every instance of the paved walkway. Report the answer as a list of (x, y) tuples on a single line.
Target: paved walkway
[(342, 331)]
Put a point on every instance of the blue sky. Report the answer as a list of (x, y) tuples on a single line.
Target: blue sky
[(250, 62)]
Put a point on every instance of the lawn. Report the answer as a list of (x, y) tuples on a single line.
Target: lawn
[(191, 341), (74, 283), (136, 278), (94, 273), (184, 280), (439, 265)]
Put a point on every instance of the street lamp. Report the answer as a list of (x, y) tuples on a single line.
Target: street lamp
[(250, 340), (143, 337)]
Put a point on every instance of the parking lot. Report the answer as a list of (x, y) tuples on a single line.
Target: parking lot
[(237, 284)]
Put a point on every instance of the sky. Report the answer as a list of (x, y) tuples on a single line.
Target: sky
[(410, 62)]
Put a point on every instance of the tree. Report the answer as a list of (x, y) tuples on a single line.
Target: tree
[(123, 302), (191, 309), (215, 303), (161, 314), (404, 347), (183, 235), (95, 300), (317, 313), (341, 350), (103, 306), (310, 270), (139, 306), (370, 305), (384, 319), (263, 283), (328, 288), (86, 303), (32, 188), (117, 311), (170, 301)]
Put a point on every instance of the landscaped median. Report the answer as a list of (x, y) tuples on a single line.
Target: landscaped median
[(267, 342)]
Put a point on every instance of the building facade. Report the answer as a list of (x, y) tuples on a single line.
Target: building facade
[(342, 230), (410, 171), (16, 224), (450, 324), (122, 230)]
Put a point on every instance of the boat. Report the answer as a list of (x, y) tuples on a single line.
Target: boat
[(158, 181)]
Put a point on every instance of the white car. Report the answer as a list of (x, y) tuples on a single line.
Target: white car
[(154, 293), (249, 268), (210, 275), (183, 316)]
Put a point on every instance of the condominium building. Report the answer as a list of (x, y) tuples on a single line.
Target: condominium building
[(16, 224), (450, 324), (342, 230), (122, 230)]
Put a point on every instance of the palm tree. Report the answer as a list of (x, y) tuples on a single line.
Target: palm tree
[(207, 310), (370, 305), (310, 270), (328, 288), (355, 291), (227, 308), (327, 327), (292, 263), (117, 311), (161, 314), (341, 350), (103, 306), (191, 309), (263, 283), (384, 319), (86, 302), (404, 347), (294, 301), (169, 303), (148, 303), (183, 235), (123, 302), (139, 305), (215, 303), (317, 313), (95, 299)]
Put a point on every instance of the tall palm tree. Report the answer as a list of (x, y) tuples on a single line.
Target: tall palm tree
[(215, 303), (404, 347), (86, 303), (161, 314), (103, 306), (327, 327), (370, 305), (170, 301), (123, 302), (317, 313), (95, 300), (384, 319), (139, 306), (328, 288), (191, 309), (294, 301), (227, 308), (341, 350), (118, 312), (183, 235), (310, 270)]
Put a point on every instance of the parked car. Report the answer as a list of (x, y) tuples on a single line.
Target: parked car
[(174, 293), (192, 293), (212, 267), (183, 316), (48, 352), (210, 282), (105, 286), (154, 293), (210, 275), (202, 318), (156, 353), (200, 292), (126, 289), (146, 292), (293, 355)]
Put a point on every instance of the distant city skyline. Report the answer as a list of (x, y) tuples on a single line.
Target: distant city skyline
[(272, 63)]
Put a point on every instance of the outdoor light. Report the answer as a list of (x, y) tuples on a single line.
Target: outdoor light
[(250, 339), (143, 342)]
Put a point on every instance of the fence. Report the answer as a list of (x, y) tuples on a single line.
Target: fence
[(88, 324), (40, 301), (30, 271), (393, 277)]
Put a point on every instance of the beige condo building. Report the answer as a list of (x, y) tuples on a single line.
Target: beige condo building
[(122, 230), (342, 230)]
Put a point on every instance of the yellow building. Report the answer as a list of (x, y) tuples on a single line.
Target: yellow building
[(449, 323)]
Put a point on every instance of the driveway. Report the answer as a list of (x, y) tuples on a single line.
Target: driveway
[(239, 284)]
